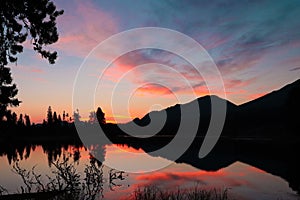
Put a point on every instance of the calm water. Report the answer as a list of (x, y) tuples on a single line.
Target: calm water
[(243, 180)]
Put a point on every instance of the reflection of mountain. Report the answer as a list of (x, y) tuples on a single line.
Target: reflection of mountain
[(278, 159), (263, 133), (275, 158), (274, 115)]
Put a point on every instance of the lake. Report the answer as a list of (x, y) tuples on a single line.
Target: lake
[(221, 171)]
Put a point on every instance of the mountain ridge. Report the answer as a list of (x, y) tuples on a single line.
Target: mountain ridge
[(272, 113)]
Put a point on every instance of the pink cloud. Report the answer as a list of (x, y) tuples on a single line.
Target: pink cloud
[(154, 89), (83, 26), (115, 72), (37, 71), (235, 63), (29, 69), (40, 80), (147, 77), (256, 95), (293, 63), (238, 83), (29, 73), (215, 41), (164, 77)]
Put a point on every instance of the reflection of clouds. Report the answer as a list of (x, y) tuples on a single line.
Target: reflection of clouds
[(239, 177), (129, 159), (170, 180), (184, 176), (173, 179)]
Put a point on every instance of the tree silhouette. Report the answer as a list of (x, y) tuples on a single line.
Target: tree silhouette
[(14, 118), (27, 120), (20, 120), (49, 116), (18, 21), (8, 91), (59, 119), (76, 116), (8, 116), (64, 115), (55, 119), (92, 117), (100, 116)]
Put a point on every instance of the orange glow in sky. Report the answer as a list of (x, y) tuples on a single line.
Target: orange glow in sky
[(249, 68)]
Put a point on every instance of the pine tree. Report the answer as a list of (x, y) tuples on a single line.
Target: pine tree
[(64, 115), (55, 119), (8, 92), (59, 119), (100, 116), (76, 116), (14, 118), (49, 116), (20, 120), (92, 117), (20, 20), (27, 120)]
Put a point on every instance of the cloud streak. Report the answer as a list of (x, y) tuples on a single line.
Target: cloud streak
[(84, 25), (295, 69)]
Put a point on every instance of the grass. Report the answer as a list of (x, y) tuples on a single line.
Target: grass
[(66, 183), (197, 193), (2, 190)]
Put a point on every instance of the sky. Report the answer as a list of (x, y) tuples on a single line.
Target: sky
[(255, 46)]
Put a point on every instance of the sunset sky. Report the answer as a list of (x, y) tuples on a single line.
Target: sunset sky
[(255, 45)]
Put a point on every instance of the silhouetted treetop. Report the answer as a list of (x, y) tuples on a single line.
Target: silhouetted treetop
[(8, 91), (27, 120), (76, 116), (19, 19), (49, 115), (100, 116), (92, 117), (55, 119), (21, 121)]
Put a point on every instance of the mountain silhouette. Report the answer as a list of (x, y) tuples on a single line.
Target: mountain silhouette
[(271, 116), (263, 133), (274, 115)]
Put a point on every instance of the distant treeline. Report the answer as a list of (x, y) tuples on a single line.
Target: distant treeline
[(13, 125), (274, 116)]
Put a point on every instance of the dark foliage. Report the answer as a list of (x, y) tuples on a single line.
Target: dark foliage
[(8, 92), (18, 21), (100, 116)]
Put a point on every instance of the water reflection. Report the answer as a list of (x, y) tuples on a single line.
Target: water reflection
[(18, 150), (133, 160), (277, 158), (242, 166)]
